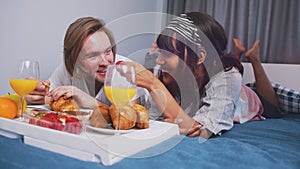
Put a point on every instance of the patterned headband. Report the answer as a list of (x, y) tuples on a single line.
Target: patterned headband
[(185, 27)]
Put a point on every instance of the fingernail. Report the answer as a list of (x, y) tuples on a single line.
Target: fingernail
[(199, 126)]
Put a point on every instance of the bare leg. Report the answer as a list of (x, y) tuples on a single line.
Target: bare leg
[(263, 85), (238, 49)]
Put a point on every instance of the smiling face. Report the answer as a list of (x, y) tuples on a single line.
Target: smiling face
[(169, 63), (168, 58), (96, 54)]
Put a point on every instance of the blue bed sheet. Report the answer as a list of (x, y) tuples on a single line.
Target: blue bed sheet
[(272, 143)]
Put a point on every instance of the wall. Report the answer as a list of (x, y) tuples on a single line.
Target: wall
[(33, 29), (283, 74)]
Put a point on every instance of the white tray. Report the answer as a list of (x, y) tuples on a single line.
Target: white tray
[(90, 145)]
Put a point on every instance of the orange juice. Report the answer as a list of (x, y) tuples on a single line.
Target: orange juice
[(119, 96), (23, 86)]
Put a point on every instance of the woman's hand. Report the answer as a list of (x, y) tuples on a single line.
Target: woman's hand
[(144, 78), (38, 95), (195, 129), (199, 130), (82, 98)]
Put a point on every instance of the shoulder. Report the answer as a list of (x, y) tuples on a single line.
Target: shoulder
[(60, 76), (60, 71), (229, 82), (230, 77)]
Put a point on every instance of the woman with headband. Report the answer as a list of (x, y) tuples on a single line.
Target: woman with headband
[(199, 86)]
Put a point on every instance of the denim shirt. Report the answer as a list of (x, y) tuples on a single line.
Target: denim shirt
[(221, 101)]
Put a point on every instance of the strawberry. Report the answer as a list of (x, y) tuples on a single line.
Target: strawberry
[(52, 115), (73, 125), (119, 62), (34, 120), (57, 124), (45, 122)]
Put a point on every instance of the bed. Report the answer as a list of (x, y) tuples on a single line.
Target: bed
[(271, 143)]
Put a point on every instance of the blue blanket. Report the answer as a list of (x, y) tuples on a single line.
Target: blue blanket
[(272, 143)]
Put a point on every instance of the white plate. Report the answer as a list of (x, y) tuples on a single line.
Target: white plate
[(109, 130)]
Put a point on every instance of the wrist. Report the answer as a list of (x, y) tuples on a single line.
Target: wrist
[(155, 84)]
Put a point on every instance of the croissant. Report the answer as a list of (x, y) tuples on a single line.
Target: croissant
[(142, 121), (123, 118), (100, 117), (62, 104)]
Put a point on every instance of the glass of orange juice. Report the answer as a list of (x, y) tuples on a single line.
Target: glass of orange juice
[(25, 81), (119, 85)]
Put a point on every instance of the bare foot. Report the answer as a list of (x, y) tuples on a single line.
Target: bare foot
[(253, 53), (238, 48)]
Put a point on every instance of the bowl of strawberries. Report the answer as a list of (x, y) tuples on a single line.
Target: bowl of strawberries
[(57, 121)]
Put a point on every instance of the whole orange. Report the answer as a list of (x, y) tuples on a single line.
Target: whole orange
[(17, 98), (8, 108)]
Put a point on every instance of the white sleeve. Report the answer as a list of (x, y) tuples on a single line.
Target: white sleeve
[(60, 77)]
